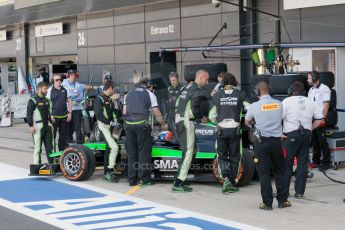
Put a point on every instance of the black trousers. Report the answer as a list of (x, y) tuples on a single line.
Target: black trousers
[(75, 125), (229, 156), (61, 125), (297, 145), (270, 156), (139, 147), (320, 144)]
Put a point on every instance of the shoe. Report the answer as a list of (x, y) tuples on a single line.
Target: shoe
[(111, 177), (284, 204), (299, 196), (145, 184), (187, 186), (312, 165), (226, 186), (262, 206), (181, 189)]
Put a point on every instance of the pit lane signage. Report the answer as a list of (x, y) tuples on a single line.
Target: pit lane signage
[(48, 30), (3, 36), (155, 30), (297, 4), (162, 30)]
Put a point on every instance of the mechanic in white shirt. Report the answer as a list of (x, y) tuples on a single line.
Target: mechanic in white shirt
[(321, 94), (300, 116)]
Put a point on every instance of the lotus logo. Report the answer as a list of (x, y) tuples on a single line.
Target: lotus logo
[(204, 131)]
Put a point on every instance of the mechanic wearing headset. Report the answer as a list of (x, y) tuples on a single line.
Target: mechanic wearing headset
[(107, 120), (298, 114), (38, 118), (136, 110), (321, 94), (187, 112), (61, 109), (267, 113), (226, 112), (76, 91)]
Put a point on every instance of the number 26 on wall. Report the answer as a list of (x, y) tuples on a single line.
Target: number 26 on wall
[(81, 39)]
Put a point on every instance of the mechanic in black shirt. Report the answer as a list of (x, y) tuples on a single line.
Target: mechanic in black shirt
[(38, 118), (174, 92), (107, 121), (188, 110), (228, 104), (61, 109)]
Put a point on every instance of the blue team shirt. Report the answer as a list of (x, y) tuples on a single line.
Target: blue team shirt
[(268, 114), (76, 91)]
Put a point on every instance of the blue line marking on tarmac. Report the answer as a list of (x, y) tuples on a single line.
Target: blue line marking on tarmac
[(74, 207), (105, 213), (42, 189), (39, 207), (77, 202), (109, 205), (189, 221)]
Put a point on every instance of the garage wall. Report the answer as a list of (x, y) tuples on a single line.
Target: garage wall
[(319, 24), (8, 47), (123, 42), (64, 44)]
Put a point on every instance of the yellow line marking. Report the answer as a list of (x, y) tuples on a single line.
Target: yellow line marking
[(133, 190)]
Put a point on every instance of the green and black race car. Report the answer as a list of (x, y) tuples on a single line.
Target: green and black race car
[(78, 162)]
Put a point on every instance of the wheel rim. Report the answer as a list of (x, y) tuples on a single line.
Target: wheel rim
[(72, 163)]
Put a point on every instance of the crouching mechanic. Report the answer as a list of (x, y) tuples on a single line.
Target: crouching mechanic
[(226, 113), (38, 118), (187, 112), (107, 121)]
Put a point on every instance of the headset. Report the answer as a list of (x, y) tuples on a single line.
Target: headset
[(257, 89), (314, 76), (72, 71)]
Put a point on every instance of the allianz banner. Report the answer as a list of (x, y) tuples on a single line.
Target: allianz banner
[(19, 4)]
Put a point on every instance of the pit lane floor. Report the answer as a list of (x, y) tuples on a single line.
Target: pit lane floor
[(322, 207)]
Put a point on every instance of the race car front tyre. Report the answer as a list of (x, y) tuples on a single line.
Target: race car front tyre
[(77, 163), (246, 170)]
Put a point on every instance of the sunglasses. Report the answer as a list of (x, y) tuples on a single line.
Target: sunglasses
[(58, 80)]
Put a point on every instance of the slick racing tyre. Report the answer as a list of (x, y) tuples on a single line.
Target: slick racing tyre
[(77, 163), (246, 170), (281, 83)]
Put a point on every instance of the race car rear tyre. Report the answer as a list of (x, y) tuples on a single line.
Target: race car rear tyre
[(246, 170), (96, 134), (76, 163), (247, 163)]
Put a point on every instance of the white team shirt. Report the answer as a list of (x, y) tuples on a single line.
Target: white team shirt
[(299, 110), (320, 94)]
